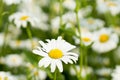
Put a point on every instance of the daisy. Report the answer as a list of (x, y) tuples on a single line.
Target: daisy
[(116, 73), (22, 18), (92, 24), (103, 72), (105, 40), (112, 6), (85, 71), (54, 52), (69, 4), (86, 36), (13, 60), (6, 76)]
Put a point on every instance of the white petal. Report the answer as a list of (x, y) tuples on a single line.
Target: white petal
[(41, 53), (72, 54), (59, 65), (42, 62), (47, 63), (73, 58), (53, 66)]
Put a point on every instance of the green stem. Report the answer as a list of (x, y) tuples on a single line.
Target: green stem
[(79, 30), (55, 75), (5, 40), (1, 10), (29, 35), (86, 63), (61, 11)]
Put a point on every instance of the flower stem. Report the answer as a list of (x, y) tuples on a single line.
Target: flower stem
[(61, 11), (79, 30), (5, 39), (30, 36), (55, 75)]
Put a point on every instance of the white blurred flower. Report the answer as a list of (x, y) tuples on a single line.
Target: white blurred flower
[(24, 44), (116, 73), (105, 40), (91, 23), (10, 2), (111, 6), (13, 60), (54, 52), (22, 19), (104, 72), (6, 76), (69, 4), (86, 36), (33, 8), (85, 71)]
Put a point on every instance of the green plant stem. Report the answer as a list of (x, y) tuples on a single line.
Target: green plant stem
[(1, 10), (55, 75), (61, 11), (29, 35), (79, 30), (86, 63), (5, 40)]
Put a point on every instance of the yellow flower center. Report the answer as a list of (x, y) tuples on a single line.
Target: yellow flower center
[(90, 21), (23, 18), (111, 4), (86, 39), (0, 77), (14, 59), (18, 42), (6, 78), (104, 38), (36, 73), (55, 53)]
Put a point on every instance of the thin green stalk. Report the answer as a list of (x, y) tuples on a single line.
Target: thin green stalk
[(55, 75), (1, 10), (61, 11), (30, 36), (86, 63), (79, 30), (5, 40)]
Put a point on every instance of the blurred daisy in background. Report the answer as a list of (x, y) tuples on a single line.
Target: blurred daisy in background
[(23, 44), (85, 71), (112, 6), (13, 60), (54, 52), (116, 73), (86, 36), (21, 19), (105, 40), (91, 23), (69, 4), (6, 76), (104, 72)]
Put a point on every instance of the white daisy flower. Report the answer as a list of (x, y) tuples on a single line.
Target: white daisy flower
[(86, 36), (105, 40), (6, 76), (85, 71), (104, 72), (54, 52), (69, 4), (116, 73), (112, 6), (10, 2), (22, 18), (13, 60), (91, 23)]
